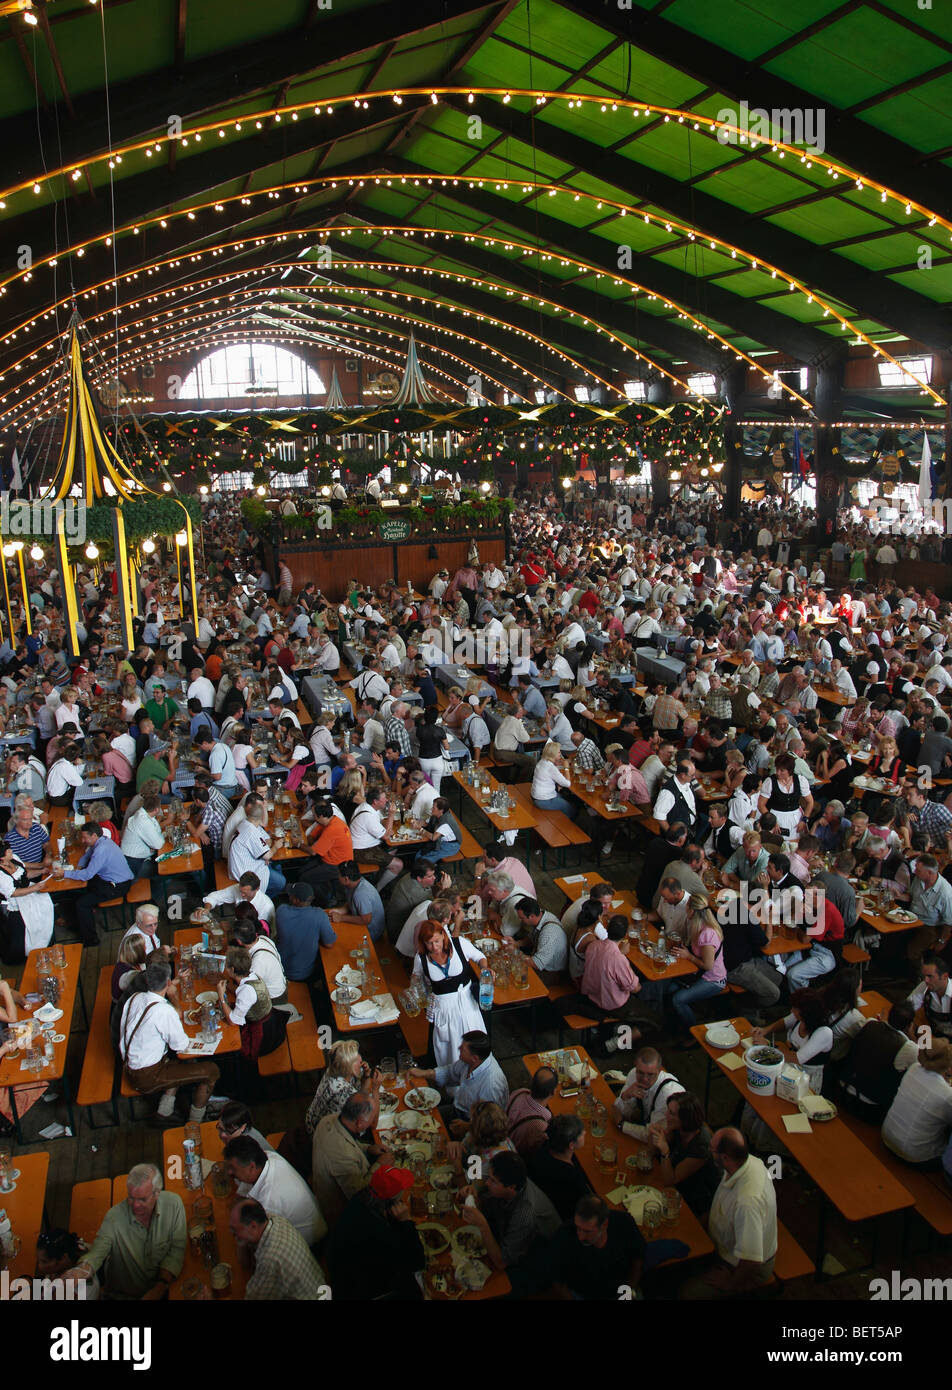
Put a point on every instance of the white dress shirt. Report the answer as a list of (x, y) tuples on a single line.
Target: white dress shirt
[(161, 1031), (280, 1188)]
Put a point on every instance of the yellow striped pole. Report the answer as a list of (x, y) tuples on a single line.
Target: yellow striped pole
[(122, 576), (26, 593), (70, 610)]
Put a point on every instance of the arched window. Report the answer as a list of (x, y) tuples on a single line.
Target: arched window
[(247, 370)]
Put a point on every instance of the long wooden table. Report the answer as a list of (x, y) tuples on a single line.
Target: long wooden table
[(847, 1174), (497, 1285), (350, 935), (10, 1073), (24, 1206), (687, 1228), (231, 1035), (212, 1147), (518, 819), (595, 799)]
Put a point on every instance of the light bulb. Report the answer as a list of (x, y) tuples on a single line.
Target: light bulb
[(148, 546), (36, 552), (203, 490), (92, 551), (181, 539), (485, 486), (261, 490), (166, 487)]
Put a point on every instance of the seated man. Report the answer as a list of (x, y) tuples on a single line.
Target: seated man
[(302, 929), (103, 868), (375, 1251), (364, 904), (608, 981), (272, 1181), (340, 1162), (510, 1222), (643, 1100), (554, 1167), (284, 1268), (246, 890), (742, 1223), (150, 1034), (140, 1246), (476, 1076), (595, 1254), (542, 938), (528, 1112)]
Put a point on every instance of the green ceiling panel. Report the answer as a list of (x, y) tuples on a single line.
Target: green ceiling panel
[(882, 253), (638, 74), (922, 118), (848, 61), (753, 186), (934, 284), (747, 29), (936, 18), (498, 64)]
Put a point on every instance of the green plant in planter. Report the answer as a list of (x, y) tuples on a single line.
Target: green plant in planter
[(254, 513), (261, 477)]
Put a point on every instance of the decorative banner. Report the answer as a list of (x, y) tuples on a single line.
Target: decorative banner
[(889, 464), (394, 529)]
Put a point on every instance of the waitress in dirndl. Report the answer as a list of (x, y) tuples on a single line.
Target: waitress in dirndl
[(444, 962)]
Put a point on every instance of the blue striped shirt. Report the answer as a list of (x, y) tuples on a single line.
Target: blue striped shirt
[(30, 848)]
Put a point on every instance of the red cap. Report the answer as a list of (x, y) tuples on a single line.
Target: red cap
[(390, 1182)]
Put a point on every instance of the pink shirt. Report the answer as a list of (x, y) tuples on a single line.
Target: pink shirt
[(519, 874), (115, 765), (707, 936), (608, 979)]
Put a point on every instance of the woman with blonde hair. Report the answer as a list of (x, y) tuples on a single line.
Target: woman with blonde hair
[(705, 949), (548, 778), (345, 1074)]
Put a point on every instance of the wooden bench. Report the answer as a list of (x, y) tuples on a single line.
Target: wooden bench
[(855, 955), (792, 1261), (140, 891), (88, 1204), (554, 828), (933, 1198), (223, 878), (470, 848), (306, 1052), (416, 1031), (97, 1082)]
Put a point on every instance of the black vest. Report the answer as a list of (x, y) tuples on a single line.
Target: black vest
[(681, 810)]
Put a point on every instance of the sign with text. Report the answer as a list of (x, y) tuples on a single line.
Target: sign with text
[(395, 528)]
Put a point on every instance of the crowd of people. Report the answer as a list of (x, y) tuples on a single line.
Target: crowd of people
[(791, 736)]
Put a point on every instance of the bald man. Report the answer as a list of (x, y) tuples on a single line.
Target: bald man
[(742, 1223)]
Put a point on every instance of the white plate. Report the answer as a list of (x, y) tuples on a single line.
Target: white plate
[(898, 914), (407, 1119), (346, 976), (48, 1014), (423, 1098), (467, 1242), (722, 1037), (208, 996)]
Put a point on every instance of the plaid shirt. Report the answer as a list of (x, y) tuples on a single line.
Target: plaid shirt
[(767, 689), (668, 710), (588, 757), (717, 703), (214, 816), (934, 820), (395, 732), (284, 1266)]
